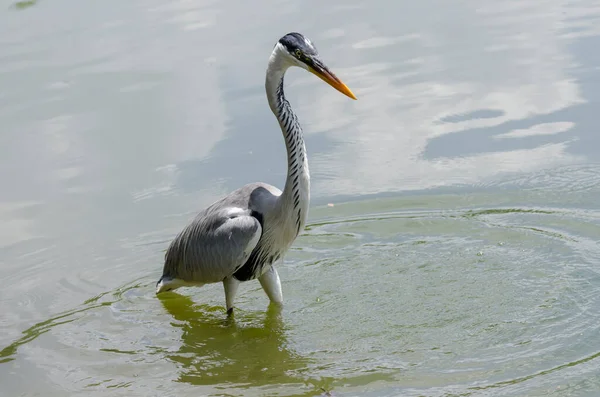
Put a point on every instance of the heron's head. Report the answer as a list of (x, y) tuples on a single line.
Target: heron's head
[(302, 53)]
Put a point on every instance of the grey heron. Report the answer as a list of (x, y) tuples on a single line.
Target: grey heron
[(240, 237)]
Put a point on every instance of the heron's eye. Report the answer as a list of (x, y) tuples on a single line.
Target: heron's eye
[(298, 53)]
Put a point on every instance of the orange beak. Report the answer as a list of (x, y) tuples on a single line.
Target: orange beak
[(321, 71)]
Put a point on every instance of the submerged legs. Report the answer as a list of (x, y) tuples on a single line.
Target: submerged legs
[(272, 286), (269, 282), (231, 285)]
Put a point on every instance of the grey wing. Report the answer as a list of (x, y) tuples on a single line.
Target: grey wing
[(214, 245)]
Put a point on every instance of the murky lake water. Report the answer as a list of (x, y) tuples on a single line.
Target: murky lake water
[(461, 256)]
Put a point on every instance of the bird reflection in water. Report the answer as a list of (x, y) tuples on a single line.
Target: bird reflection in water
[(248, 350)]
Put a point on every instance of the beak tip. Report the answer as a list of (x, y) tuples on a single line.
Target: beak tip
[(347, 91)]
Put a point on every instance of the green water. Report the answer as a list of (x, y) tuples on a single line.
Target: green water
[(452, 244)]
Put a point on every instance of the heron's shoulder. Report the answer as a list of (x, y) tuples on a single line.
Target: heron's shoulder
[(258, 189), (221, 217), (254, 196)]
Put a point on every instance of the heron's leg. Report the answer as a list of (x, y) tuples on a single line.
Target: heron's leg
[(271, 285), (231, 285)]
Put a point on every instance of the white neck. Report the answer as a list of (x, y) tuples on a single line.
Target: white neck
[(294, 201)]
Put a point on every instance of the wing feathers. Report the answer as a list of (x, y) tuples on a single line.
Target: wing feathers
[(213, 246)]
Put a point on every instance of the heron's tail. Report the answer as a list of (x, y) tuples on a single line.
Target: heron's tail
[(164, 284)]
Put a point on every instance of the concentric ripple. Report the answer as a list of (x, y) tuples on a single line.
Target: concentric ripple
[(455, 300)]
